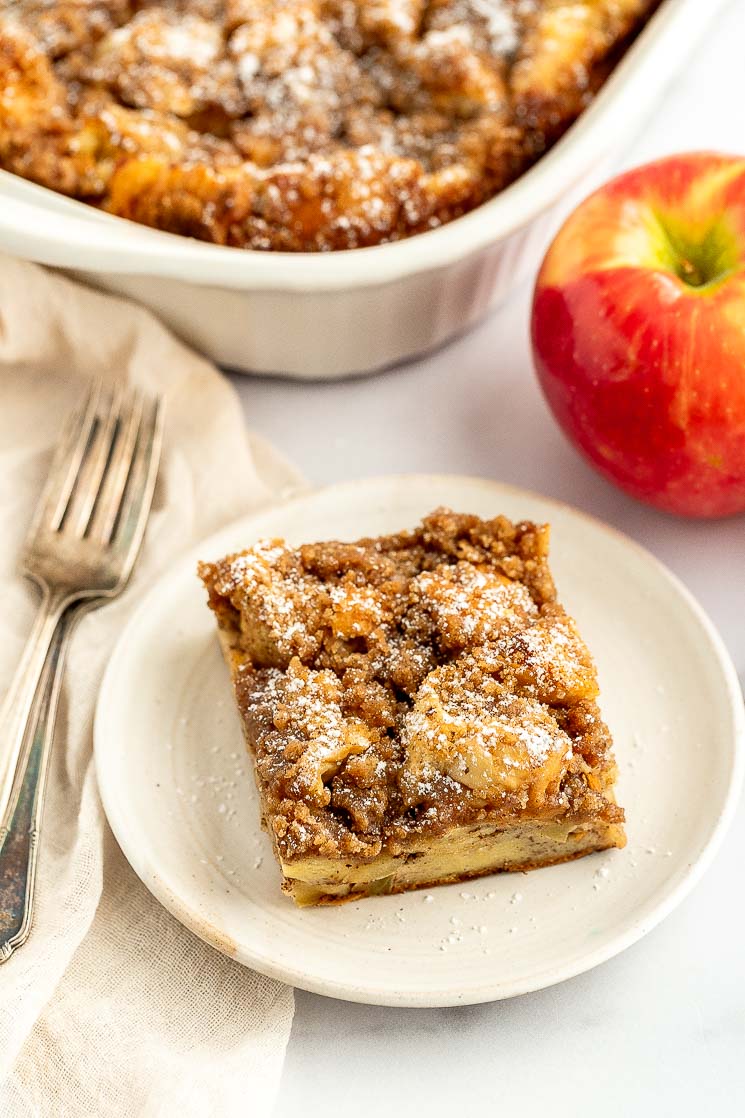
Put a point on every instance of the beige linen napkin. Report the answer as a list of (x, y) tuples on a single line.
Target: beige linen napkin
[(112, 1008)]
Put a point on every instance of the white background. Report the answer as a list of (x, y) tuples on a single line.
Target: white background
[(661, 1029)]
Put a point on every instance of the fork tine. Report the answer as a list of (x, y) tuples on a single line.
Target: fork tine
[(66, 462), (114, 483), (93, 467), (135, 508)]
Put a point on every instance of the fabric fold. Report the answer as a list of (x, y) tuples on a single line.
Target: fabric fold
[(112, 1007)]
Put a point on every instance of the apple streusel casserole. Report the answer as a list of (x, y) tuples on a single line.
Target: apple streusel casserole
[(296, 125), (420, 709)]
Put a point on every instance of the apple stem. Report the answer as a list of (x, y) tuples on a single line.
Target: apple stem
[(691, 274)]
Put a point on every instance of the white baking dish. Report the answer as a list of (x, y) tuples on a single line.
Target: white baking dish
[(330, 315)]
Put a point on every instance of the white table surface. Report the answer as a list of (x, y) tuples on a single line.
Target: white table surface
[(660, 1030)]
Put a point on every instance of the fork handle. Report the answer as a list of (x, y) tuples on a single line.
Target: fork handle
[(20, 698), (19, 842)]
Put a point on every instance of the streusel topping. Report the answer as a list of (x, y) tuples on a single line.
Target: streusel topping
[(395, 686), (296, 125)]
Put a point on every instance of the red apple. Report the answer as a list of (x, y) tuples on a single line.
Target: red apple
[(638, 332)]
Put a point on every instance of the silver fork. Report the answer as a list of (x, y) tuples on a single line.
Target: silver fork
[(81, 548)]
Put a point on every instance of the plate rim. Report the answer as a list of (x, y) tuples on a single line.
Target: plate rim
[(493, 990)]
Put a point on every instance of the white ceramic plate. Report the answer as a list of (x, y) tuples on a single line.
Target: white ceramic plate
[(179, 794)]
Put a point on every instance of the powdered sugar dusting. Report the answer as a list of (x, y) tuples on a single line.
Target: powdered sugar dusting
[(306, 706), (295, 125), (393, 688), (477, 736), (472, 605)]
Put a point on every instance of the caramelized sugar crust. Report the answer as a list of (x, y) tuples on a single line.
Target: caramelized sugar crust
[(296, 125), (396, 688)]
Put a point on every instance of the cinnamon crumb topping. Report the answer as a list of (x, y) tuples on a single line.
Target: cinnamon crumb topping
[(296, 125), (398, 686)]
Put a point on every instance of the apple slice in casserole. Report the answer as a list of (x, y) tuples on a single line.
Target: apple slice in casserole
[(419, 707)]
